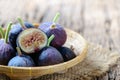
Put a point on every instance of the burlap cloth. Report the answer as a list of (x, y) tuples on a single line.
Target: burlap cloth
[(97, 62)]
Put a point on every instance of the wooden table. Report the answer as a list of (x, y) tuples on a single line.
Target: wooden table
[(97, 20)]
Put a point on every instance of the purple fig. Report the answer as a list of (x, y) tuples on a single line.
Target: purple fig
[(49, 55), (16, 30), (6, 50), (21, 60), (67, 53), (54, 28)]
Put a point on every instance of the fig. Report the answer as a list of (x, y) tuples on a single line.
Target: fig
[(6, 50), (28, 25), (34, 57), (54, 28), (67, 53), (21, 60), (16, 30), (32, 40), (49, 55)]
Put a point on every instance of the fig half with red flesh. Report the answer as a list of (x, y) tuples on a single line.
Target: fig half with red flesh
[(15, 31), (32, 40)]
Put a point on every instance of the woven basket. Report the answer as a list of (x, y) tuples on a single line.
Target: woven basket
[(74, 41)]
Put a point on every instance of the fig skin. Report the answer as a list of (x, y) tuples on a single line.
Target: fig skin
[(58, 31), (15, 31), (34, 57), (49, 56), (67, 53), (28, 25), (6, 52), (21, 61)]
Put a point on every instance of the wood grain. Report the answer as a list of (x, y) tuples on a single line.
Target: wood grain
[(97, 20)]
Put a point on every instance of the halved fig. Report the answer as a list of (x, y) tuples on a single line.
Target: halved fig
[(16, 30), (32, 40)]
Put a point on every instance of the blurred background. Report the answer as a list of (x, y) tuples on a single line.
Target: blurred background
[(97, 20), (94, 19)]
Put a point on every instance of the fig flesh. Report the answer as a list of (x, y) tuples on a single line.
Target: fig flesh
[(32, 40), (15, 31)]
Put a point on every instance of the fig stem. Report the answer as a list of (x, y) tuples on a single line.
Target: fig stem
[(7, 32), (50, 39), (53, 26), (19, 51), (21, 23), (55, 19), (1, 32)]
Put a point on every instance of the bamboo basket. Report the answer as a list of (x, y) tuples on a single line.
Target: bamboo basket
[(74, 41)]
